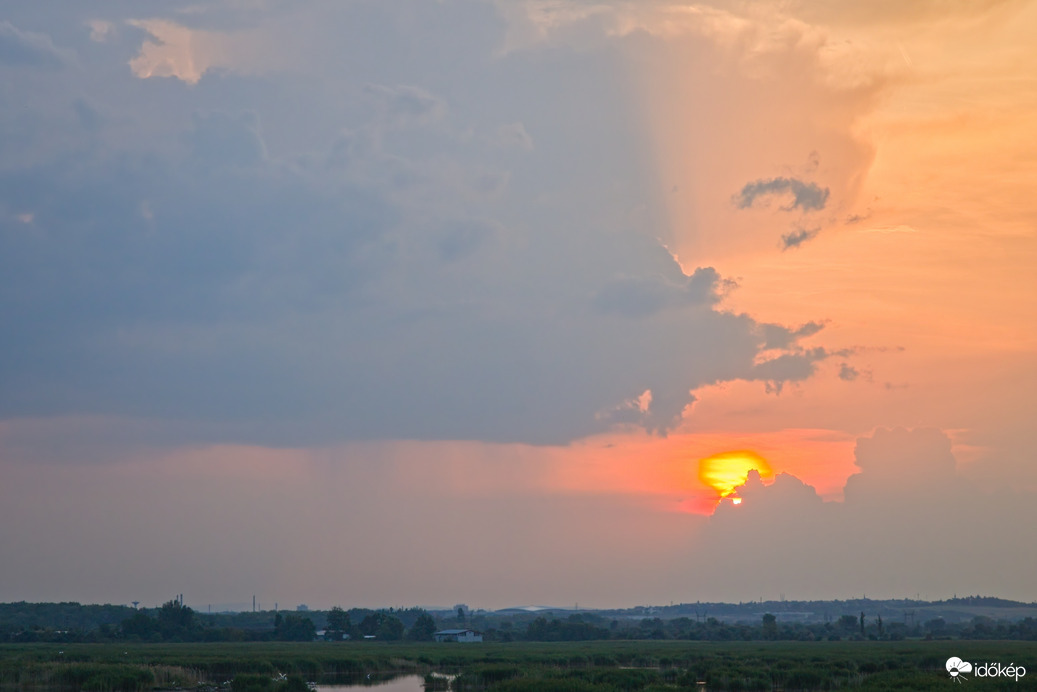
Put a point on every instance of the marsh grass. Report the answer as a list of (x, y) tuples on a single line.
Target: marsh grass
[(607, 666)]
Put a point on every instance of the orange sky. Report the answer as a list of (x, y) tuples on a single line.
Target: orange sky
[(921, 125)]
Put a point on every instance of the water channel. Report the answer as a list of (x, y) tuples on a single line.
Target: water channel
[(402, 683)]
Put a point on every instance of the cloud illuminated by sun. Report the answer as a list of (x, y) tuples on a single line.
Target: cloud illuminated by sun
[(726, 471)]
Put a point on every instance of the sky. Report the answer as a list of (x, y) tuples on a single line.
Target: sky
[(422, 303)]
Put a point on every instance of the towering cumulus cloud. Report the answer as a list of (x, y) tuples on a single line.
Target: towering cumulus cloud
[(435, 280), (381, 268), (909, 521)]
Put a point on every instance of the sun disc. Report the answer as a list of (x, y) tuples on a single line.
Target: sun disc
[(726, 471)]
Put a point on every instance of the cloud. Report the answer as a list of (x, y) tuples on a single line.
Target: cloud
[(405, 105), (644, 296), (778, 336), (176, 51), (788, 367), (798, 237), (907, 519), (101, 31), (222, 138), (238, 269), (256, 302), (805, 196), (514, 135), (29, 49), (901, 462), (848, 373), (464, 237), (88, 116), (188, 54)]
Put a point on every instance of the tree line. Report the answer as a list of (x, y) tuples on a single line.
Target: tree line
[(176, 622)]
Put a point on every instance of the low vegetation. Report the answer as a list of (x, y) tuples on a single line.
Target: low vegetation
[(601, 666)]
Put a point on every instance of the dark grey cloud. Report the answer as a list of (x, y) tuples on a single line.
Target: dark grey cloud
[(248, 259), (778, 336), (806, 196), (267, 304), (796, 238), (645, 296), (789, 367), (30, 49), (848, 373)]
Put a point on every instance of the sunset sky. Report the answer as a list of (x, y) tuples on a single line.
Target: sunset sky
[(372, 303)]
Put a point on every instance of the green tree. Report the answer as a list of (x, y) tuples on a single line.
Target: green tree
[(294, 628), (381, 625), (368, 627), (847, 622), (338, 623), (770, 626), (423, 629), (390, 628), (140, 626), (175, 620)]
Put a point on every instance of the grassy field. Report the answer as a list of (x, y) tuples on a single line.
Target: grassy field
[(515, 667)]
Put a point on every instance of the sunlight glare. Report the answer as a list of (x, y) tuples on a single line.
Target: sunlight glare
[(726, 471)]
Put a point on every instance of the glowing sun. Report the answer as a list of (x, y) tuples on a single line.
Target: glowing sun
[(726, 471)]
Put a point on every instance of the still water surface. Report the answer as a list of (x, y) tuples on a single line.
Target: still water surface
[(404, 683)]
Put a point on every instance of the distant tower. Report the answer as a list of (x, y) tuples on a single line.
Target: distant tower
[(134, 604)]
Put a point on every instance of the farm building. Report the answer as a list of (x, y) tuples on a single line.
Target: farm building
[(458, 636)]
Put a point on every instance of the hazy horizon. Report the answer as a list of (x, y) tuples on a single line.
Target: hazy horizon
[(490, 301)]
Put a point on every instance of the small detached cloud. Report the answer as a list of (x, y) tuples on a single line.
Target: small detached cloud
[(797, 237), (848, 373), (28, 49), (805, 196)]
